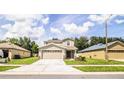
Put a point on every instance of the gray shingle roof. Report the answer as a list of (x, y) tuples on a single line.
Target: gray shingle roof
[(96, 47)]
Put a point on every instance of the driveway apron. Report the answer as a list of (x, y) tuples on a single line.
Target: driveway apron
[(46, 65)]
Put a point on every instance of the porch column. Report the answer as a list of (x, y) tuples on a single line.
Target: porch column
[(9, 54), (74, 53), (40, 54)]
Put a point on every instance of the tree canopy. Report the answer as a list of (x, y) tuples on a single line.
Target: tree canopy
[(84, 42), (26, 43)]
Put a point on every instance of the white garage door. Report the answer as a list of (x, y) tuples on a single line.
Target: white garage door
[(52, 54)]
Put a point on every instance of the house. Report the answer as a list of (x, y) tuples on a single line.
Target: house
[(58, 49), (115, 51), (11, 50)]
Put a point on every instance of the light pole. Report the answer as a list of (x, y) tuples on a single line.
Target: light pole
[(106, 36)]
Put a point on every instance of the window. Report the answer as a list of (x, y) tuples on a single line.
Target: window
[(68, 43)]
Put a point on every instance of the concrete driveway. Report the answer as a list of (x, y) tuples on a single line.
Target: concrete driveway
[(46, 65)]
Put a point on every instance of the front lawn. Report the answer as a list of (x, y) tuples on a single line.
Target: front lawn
[(4, 68), (92, 62), (23, 60), (101, 68)]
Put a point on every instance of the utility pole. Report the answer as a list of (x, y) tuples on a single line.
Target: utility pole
[(106, 40), (106, 37)]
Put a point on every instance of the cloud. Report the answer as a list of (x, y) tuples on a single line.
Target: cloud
[(118, 21), (23, 26), (100, 18), (28, 18), (73, 28), (20, 29), (55, 30), (45, 20)]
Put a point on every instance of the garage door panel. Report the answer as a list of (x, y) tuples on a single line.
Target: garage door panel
[(116, 54), (52, 54)]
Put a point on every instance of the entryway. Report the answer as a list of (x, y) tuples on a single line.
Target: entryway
[(70, 54)]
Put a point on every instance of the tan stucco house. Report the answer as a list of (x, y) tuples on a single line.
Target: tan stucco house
[(115, 51), (11, 50), (58, 49)]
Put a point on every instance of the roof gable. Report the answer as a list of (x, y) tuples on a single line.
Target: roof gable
[(51, 45)]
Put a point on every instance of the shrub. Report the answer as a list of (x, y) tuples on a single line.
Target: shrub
[(80, 58), (6, 60)]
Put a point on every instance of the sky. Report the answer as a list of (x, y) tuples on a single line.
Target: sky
[(41, 27)]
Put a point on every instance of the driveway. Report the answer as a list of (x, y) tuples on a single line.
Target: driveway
[(46, 65)]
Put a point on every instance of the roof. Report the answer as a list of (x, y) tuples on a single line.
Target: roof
[(11, 46), (54, 41), (60, 45), (98, 46), (68, 39), (58, 40)]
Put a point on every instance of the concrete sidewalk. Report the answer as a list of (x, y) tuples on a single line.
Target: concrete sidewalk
[(94, 65), (12, 65)]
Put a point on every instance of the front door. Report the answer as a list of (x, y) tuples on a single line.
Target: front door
[(5, 53), (69, 54)]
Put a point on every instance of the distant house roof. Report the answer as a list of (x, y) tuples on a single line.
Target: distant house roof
[(11, 46), (97, 47)]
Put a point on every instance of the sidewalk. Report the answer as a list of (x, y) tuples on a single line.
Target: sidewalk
[(59, 73), (94, 65), (12, 65)]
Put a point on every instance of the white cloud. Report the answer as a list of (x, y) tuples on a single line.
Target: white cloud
[(20, 29), (100, 18), (7, 26), (73, 28), (45, 20), (97, 18), (28, 18), (55, 30), (23, 27), (119, 21)]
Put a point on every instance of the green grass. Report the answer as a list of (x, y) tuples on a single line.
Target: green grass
[(101, 68), (92, 62), (23, 61), (4, 68)]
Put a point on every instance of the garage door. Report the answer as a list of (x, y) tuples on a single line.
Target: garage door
[(113, 54), (52, 54)]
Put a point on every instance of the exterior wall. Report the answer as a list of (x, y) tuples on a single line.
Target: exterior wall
[(23, 54), (116, 46), (99, 54), (70, 41)]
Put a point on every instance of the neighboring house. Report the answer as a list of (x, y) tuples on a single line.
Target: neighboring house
[(115, 51), (11, 50), (58, 49)]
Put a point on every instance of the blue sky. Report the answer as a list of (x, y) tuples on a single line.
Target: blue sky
[(41, 27)]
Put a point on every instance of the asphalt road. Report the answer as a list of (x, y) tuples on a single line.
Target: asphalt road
[(55, 76)]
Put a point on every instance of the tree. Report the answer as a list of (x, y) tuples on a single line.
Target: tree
[(81, 43), (26, 43)]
